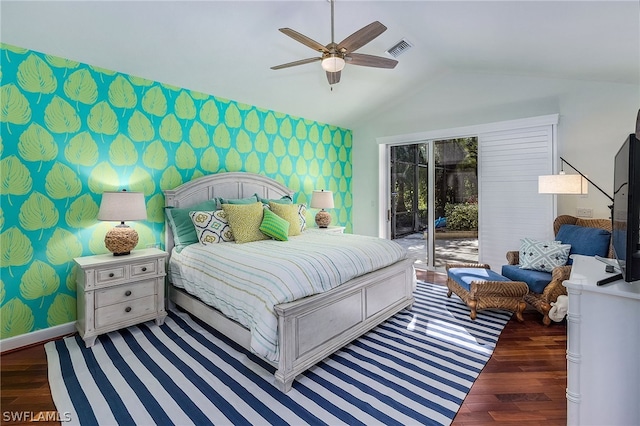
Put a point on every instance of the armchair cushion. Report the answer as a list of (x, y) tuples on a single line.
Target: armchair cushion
[(584, 240), (536, 280), (465, 276)]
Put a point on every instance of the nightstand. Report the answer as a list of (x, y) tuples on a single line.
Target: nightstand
[(114, 292), (333, 229)]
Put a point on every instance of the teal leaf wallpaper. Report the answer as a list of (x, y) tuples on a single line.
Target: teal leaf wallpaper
[(70, 131)]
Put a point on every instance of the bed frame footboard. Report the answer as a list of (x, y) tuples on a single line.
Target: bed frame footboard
[(313, 328)]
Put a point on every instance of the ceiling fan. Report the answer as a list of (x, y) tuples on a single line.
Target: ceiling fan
[(335, 56)]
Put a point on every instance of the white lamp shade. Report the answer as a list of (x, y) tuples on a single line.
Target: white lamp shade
[(122, 206), (333, 64), (322, 199), (562, 184)]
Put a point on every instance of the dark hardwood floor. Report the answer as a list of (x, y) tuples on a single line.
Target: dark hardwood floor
[(525, 380), (522, 384), (24, 386)]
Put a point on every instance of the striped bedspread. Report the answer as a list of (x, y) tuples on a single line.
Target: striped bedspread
[(246, 281)]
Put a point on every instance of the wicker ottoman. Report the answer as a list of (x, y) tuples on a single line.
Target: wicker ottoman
[(481, 288)]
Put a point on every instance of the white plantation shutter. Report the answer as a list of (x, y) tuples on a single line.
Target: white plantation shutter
[(510, 208), (511, 156)]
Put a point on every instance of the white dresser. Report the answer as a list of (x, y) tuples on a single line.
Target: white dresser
[(603, 347), (114, 292)]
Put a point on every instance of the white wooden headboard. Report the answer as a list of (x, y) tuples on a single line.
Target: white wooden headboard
[(226, 185)]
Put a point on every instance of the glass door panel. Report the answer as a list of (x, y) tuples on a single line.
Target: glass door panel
[(433, 205), (405, 217), (455, 201), (409, 197)]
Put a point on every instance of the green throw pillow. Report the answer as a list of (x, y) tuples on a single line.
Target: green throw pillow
[(285, 199), (248, 200), (245, 220), (289, 212), (274, 226), (184, 233)]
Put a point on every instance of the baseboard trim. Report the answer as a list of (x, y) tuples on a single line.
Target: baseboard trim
[(36, 337)]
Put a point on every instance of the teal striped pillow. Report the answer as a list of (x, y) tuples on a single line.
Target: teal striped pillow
[(274, 226)]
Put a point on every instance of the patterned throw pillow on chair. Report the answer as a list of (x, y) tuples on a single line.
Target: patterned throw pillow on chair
[(543, 255)]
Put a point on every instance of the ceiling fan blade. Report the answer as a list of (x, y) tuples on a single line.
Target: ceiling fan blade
[(293, 64), (303, 39), (370, 61), (361, 37), (333, 77)]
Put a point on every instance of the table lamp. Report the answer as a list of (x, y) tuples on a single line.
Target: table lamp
[(322, 200), (122, 206)]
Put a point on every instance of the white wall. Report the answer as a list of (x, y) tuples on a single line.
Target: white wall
[(595, 118)]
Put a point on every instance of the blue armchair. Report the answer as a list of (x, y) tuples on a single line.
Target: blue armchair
[(589, 237)]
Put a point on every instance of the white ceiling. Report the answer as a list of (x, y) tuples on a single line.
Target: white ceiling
[(225, 48)]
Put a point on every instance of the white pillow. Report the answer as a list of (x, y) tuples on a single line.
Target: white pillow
[(543, 255), (211, 226), (302, 215)]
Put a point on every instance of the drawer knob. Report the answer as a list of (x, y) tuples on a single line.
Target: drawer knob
[(111, 275), (127, 309), (144, 269), (127, 293)]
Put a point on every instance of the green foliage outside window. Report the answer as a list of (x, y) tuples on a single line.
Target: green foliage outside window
[(462, 216)]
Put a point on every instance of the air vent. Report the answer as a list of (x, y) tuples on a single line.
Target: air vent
[(399, 48)]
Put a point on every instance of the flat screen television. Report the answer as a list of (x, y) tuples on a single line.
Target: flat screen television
[(626, 209)]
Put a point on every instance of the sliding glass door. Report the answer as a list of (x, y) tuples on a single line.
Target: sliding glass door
[(408, 189), (434, 200)]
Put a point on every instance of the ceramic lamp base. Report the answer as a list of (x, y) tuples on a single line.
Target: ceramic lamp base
[(121, 240), (323, 219)]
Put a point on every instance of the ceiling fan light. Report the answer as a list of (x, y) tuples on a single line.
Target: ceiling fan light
[(333, 63)]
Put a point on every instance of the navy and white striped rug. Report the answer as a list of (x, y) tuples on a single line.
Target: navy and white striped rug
[(415, 368)]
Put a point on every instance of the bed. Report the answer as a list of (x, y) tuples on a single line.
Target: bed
[(308, 329)]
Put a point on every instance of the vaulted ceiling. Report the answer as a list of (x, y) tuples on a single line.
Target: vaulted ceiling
[(226, 48)]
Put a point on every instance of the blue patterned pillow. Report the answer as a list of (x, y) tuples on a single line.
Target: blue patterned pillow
[(211, 227), (543, 255)]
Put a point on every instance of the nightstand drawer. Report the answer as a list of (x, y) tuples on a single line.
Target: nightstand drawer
[(124, 293), (126, 311), (110, 274), (142, 269)]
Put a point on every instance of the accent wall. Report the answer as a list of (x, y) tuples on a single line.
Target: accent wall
[(70, 131)]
